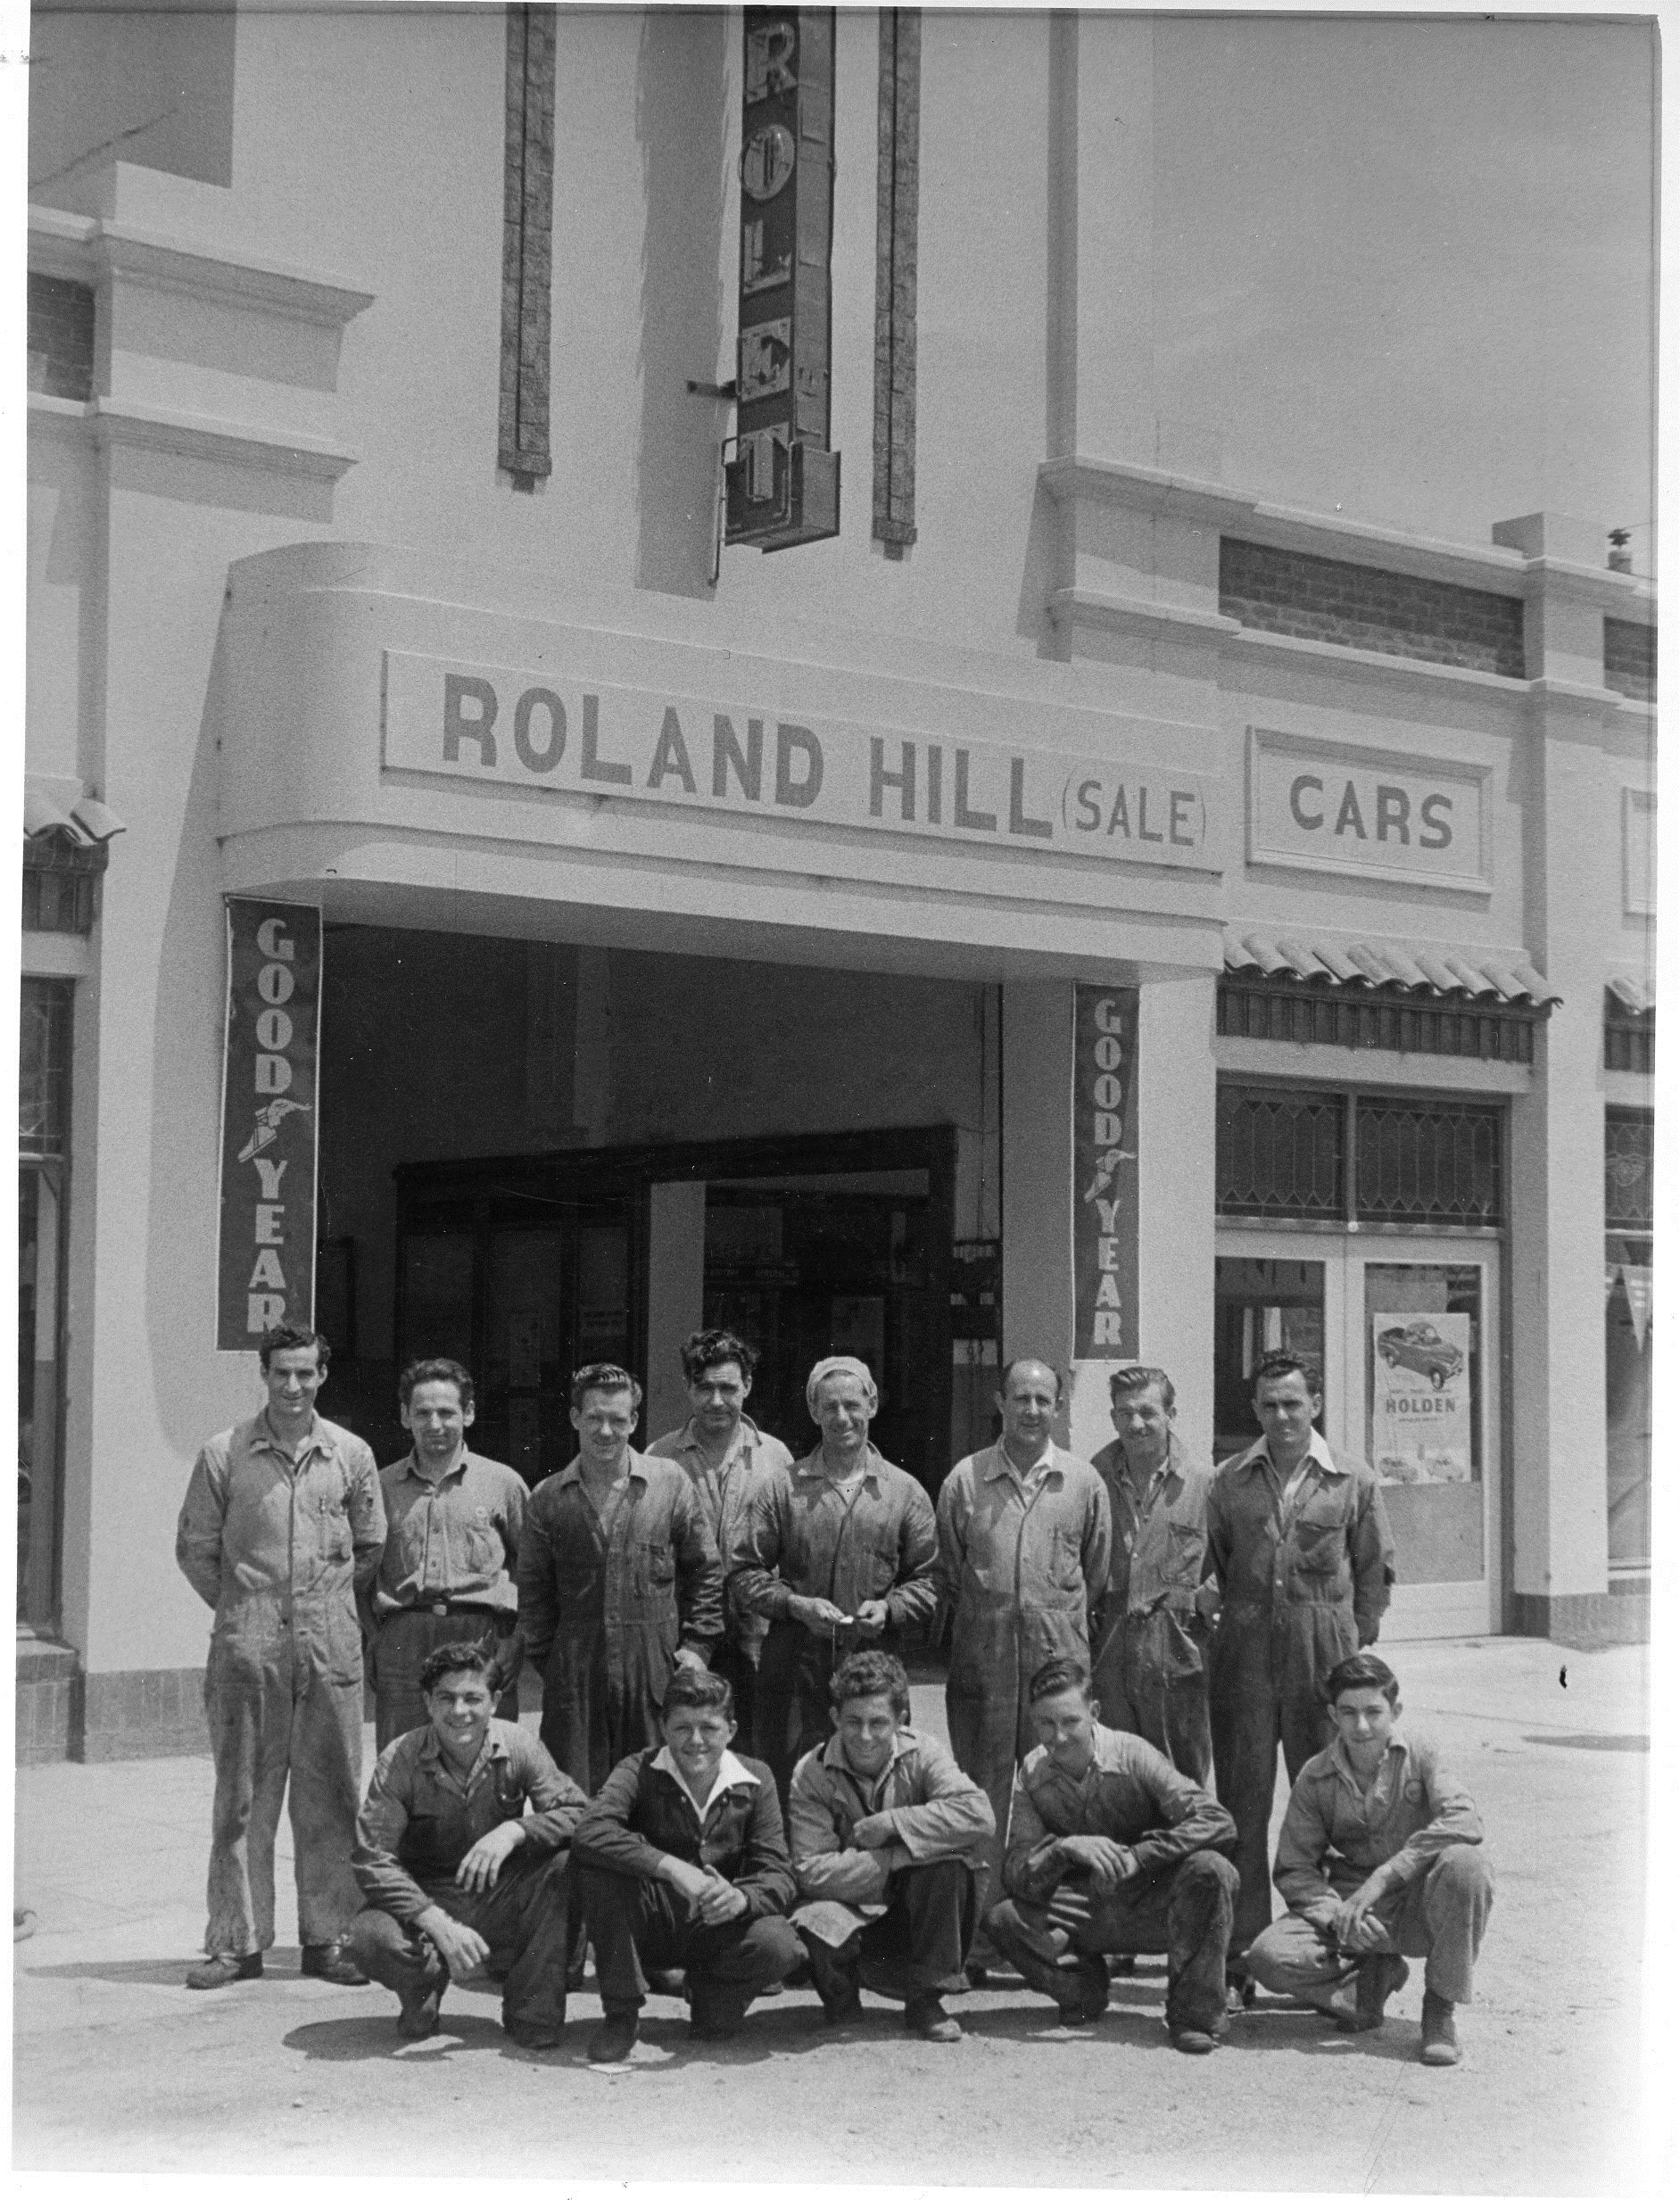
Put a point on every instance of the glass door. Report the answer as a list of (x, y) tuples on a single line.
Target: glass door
[(1406, 1331)]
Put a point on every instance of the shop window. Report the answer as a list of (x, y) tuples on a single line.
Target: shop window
[(43, 1185), (1312, 1155), (1279, 1152), (1629, 1157), (1428, 1161)]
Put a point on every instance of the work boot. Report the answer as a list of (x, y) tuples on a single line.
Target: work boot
[(1358, 2005), (223, 1969), (1440, 2035), (327, 1959), (1190, 2041), (417, 2016), (613, 2039), (530, 2038), (836, 1983), (926, 2015)]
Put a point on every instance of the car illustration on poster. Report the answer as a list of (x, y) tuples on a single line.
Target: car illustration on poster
[(1420, 1346)]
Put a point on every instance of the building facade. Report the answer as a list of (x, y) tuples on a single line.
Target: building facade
[(707, 934)]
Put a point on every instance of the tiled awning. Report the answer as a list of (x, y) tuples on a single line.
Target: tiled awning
[(81, 824), (1634, 996), (1483, 974)]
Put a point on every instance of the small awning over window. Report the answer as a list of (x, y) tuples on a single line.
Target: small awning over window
[(1473, 973), (1632, 996), (79, 823)]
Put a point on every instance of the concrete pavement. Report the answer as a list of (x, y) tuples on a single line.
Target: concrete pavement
[(117, 2067)]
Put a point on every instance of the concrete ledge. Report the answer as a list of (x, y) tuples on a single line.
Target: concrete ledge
[(1585, 1622), (142, 1715), (48, 1702)]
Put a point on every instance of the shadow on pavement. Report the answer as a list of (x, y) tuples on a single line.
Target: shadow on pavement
[(1637, 1742), (138, 1971), (373, 2039)]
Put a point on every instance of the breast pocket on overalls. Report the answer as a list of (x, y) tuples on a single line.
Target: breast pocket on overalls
[(1318, 1534), (1066, 1572), (1181, 1560), (335, 1541), (484, 1544), (655, 1569)]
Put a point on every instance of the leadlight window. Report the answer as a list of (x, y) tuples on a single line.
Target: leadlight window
[(1319, 1155), (1629, 1162)]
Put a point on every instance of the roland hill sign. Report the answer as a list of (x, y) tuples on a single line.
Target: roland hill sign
[(725, 753)]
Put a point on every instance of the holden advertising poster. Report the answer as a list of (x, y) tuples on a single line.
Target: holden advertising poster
[(1421, 1397)]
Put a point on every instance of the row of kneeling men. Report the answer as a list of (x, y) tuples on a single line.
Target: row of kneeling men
[(1239, 1595)]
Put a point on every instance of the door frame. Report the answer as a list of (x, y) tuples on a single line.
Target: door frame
[(1424, 1610)]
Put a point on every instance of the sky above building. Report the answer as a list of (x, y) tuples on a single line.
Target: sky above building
[(1406, 270)]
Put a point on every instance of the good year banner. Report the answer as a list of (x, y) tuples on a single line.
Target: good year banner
[(265, 1255), (1421, 1397), (1105, 1173)]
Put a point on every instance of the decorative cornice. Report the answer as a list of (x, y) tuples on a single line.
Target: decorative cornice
[(108, 423), (83, 249)]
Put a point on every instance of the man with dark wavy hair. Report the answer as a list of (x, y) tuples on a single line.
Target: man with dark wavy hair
[(727, 1458), (1303, 1560), (619, 1584), (887, 1837), (282, 1522), (451, 1551)]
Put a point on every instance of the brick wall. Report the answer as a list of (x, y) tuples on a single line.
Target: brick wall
[(1364, 608), (61, 338), (1630, 660)]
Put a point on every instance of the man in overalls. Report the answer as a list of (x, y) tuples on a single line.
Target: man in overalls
[(282, 1521), (619, 1584), (1304, 1559), (1149, 1674), (1024, 1536)]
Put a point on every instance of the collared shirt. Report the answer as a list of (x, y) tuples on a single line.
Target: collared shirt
[(869, 1538), (421, 1816), (1330, 1546), (452, 1537), (935, 1812), (261, 1522), (1003, 1542), (650, 1562), (726, 1490), (1160, 1543), (643, 1815), (1336, 1839), (1129, 1792), (731, 1773)]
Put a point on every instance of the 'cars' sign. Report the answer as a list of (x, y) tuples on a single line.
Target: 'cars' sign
[(265, 1260), (1338, 806)]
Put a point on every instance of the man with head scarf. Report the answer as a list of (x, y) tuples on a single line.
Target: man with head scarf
[(837, 1552)]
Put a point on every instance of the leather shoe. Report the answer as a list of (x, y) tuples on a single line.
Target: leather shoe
[(1441, 2047), (1190, 2041), (613, 2041), (223, 1969), (928, 2018), (327, 1959), (533, 2041)]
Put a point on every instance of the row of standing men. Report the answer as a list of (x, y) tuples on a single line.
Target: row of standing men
[(1208, 1606)]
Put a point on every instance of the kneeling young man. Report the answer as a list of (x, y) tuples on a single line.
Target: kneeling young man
[(888, 1837), (1380, 1857), (1112, 1850), (455, 1871), (682, 1863)]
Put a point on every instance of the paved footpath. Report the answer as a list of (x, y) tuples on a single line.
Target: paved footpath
[(117, 2067)]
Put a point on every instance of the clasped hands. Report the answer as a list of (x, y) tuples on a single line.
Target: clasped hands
[(822, 1616), (708, 1893), (1110, 1862), (1355, 1926)]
